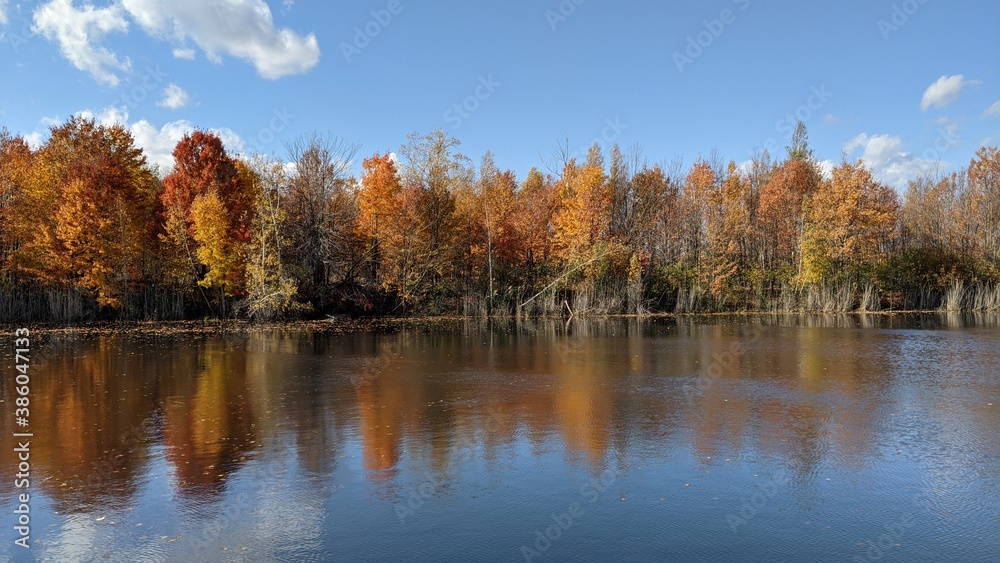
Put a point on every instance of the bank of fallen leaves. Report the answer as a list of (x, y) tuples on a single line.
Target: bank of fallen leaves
[(340, 325)]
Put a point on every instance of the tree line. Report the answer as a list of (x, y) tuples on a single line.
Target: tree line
[(89, 230)]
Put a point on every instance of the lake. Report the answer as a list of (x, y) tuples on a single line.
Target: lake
[(798, 438)]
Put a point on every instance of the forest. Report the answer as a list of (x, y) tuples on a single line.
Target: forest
[(90, 231)]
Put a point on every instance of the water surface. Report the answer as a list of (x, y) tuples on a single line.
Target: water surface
[(751, 439)]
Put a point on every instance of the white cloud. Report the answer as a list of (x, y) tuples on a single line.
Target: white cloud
[(288, 4), (3, 12), (174, 97), (884, 155), (993, 110), (945, 91), (186, 54), (241, 28), (157, 143), (79, 32), (879, 148), (35, 139), (107, 116), (826, 169)]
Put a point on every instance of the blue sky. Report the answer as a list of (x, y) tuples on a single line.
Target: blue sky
[(910, 86)]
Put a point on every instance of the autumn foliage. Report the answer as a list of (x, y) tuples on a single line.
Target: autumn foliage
[(88, 230)]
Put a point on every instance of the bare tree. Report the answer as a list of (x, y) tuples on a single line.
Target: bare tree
[(321, 207)]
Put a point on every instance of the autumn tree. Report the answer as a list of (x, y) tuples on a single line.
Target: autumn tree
[(780, 219), (799, 149), (729, 236), (696, 210), (15, 166), (532, 218), (433, 173), (653, 226), (92, 197), (380, 211), (851, 224), (581, 220), (490, 240), (204, 173), (984, 202), (271, 289), (927, 213)]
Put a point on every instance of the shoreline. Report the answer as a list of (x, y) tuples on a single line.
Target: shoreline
[(347, 325)]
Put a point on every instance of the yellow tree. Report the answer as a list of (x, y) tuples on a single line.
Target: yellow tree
[(984, 194), (215, 249), (851, 224), (15, 166), (581, 220)]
